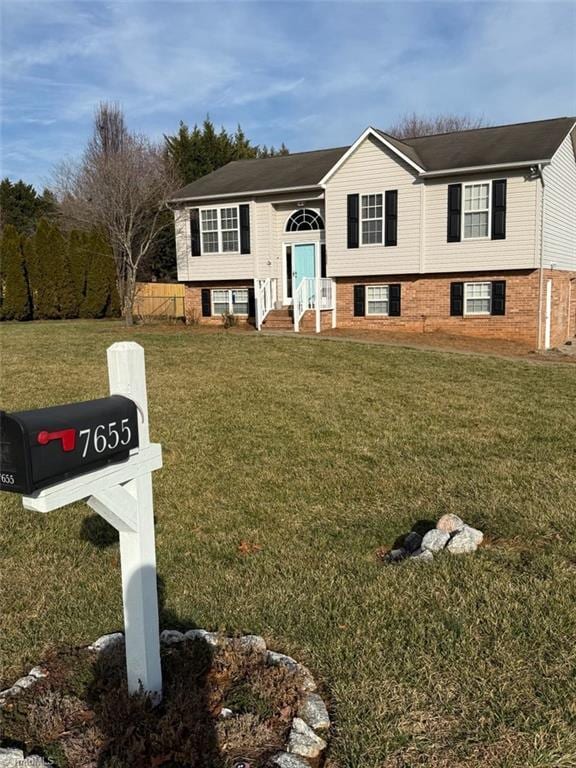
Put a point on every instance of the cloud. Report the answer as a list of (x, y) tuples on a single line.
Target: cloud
[(311, 74)]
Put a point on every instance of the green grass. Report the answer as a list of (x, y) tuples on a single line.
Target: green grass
[(320, 452)]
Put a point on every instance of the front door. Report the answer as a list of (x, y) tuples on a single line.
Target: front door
[(304, 262)]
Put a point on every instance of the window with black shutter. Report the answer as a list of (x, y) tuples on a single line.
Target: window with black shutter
[(359, 300), (499, 209), (353, 221), (391, 216), (454, 212), (456, 299)]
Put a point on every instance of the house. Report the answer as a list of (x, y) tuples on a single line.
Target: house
[(471, 233)]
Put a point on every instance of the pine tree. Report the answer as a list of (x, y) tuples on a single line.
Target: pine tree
[(22, 207), (49, 278), (66, 290), (16, 298), (77, 262), (100, 278)]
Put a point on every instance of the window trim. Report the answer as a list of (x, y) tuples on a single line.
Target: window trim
[(488, 236), (367, 300), (220, 251), (230, 302), (465, 298), (361, 219)]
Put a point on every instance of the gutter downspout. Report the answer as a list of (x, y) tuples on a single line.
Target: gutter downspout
[(541, 280)]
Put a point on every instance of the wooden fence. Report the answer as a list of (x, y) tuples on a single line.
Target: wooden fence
[(159, 300)]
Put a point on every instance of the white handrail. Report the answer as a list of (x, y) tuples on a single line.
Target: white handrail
[(266, 293), (313, 293)]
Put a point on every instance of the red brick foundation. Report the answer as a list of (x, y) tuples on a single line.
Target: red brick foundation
[(426, 306), (193, 302)]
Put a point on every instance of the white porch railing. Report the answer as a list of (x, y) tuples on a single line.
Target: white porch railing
[(266, 292), (317, 293)]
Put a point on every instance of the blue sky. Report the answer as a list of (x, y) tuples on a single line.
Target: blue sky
[(311, 74)]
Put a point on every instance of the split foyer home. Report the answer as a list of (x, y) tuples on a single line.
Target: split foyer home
[(470, 233)]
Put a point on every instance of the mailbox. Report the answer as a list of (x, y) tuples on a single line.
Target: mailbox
[(44, 447)]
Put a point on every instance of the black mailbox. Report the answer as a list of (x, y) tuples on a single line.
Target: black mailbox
[(43, 447)]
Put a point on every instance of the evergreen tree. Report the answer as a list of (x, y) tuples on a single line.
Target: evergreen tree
[(48, 270), (16, 298), (77, 262), (68, 303), (101, 295), (22, 207)]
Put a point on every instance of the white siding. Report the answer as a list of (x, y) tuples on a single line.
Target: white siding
[(373, 169), (213, 266), (518, 251), (560, 208)]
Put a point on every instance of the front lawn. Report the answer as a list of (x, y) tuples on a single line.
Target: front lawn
[(288, 462)]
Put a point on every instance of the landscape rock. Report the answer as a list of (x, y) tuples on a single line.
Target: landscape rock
[(303, 741), (314, 713), (14, 758), (475, 534), (202, 634), (38, 672), (171, 636), (435, 540), (107, 642), (450, 523), (395, 555), (226, 713), (253, 643), (422, 555), (281, 660), (25, 682), (462, 543), (285, 760), (412, 542)]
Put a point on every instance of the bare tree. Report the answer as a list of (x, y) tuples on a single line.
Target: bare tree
[(121, 186), (412, 124)]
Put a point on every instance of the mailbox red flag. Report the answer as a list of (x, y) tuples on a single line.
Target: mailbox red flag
[(66, 436)]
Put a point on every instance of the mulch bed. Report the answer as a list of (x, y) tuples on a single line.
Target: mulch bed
[(80, 714)]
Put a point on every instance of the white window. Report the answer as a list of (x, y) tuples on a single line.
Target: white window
[(371, 219), (477, 298), (476, 211), (220, 230), (233, 301), (376, 299)]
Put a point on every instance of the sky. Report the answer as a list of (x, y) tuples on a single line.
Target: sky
[(310, 74)]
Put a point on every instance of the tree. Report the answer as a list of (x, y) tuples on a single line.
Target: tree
[(120, 187), (22, 207), (198, 151), (16, 297), (100, 295), (48, 279), (412, 124)]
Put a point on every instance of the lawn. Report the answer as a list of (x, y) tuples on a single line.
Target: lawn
[(319, 453)]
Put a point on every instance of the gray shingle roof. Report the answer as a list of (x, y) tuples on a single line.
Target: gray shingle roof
[(521, 142), (301, 169), (499, 145)]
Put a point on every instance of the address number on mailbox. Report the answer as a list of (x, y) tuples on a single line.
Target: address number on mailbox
[(44, 447)]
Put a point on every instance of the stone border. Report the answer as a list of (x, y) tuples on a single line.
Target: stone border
[(307, 738)]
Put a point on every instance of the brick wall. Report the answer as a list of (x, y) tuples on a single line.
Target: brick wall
[(193, 301), (426, 306)]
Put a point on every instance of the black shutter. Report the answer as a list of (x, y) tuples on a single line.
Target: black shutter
[(251, 303), (245, 229), (394, 304), (359, 300), (456, 299), (498, 297), (353, 221), (454, 212), (322, 260), (499, 209), (391, 213), (206, 303), (195, 231)]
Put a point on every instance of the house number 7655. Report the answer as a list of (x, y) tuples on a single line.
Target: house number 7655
[(106, 436)]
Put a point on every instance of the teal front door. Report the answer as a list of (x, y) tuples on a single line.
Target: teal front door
[(304, 262)]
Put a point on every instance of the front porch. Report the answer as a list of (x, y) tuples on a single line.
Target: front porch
[(313, 305)]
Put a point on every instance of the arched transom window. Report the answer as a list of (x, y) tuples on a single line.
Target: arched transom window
[(304, 219)]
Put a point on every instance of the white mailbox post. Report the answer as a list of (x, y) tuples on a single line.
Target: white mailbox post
[(122, 494)]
